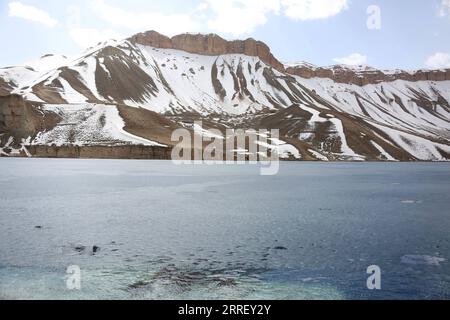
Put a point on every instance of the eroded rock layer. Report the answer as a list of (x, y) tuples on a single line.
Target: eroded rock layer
[(342, 74), (210, 44)]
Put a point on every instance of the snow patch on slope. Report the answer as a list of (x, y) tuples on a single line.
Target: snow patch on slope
[(386, 155), (418, 147), (88, 124), (318, 155)]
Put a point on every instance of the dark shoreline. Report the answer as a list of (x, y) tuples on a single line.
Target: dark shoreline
[(97, 157), (98, 152)]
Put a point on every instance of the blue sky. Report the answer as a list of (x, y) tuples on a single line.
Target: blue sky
[(408, 34)]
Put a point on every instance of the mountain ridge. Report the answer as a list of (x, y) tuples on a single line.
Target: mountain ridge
[(208, 44), (214, 45), (361, 77), (102, 96)]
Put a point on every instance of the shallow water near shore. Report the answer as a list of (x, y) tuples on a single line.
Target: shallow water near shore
[(154, 230)]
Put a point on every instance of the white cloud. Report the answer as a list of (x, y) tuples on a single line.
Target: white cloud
[(352, 60), (169, 24), (20, 10), (202, 6), (313, 9), (439, 60), (235, 17), (88, 37), (238, 17), (444, 10)]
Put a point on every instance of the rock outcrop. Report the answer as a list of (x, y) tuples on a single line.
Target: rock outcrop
[(5, 88), (364, 76), (210, 44), (21, 119)]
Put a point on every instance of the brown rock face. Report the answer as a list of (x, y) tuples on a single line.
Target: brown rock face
[(152, 39), (201, 44), (213, 44), (5, 88), (20, 119), (371, 76), (210, 44)]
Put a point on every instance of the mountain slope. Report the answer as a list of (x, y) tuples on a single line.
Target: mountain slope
[(323, 115)]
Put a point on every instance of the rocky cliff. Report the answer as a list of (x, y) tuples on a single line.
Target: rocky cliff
[(5, 88), (22, 119), (210, 44), (365, 75)]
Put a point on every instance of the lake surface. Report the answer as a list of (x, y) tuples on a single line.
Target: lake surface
[(223, 232)]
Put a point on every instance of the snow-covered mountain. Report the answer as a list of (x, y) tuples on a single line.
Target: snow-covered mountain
[(334, 113)]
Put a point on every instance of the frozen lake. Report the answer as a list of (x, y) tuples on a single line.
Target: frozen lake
[(206, 232)]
